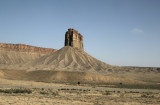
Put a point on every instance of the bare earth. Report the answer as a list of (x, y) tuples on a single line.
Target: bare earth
[(64, 94), (51, 79)]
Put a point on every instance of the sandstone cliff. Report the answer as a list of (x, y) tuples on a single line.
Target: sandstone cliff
[(26, 48), (74, 39), (12, 56)]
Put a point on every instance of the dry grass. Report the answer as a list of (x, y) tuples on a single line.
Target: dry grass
[(72, 94), (65, 96), (20, 90)]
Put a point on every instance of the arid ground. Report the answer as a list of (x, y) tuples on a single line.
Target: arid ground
[(17, 92), (30, 77)]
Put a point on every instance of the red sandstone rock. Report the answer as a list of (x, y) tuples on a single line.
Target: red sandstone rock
[(74, 39), (26, 48)]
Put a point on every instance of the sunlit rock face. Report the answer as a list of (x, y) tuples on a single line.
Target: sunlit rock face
[(26, 48), (74, 39)]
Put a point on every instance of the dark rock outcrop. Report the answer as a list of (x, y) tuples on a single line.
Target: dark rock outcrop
[(74, 39)]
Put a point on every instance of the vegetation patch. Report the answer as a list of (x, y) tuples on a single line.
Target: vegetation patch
[(137, 86), (44, 92), (21, 90), (73, 89), (108, 93)]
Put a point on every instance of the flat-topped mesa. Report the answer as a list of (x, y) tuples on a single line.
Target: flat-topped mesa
[(74, 39), (26, 48)]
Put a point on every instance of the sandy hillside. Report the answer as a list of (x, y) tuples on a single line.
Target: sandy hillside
[(70, 59), (63, 76), (68, 65), (13, 56)]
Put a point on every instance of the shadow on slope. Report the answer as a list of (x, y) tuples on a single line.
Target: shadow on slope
[(63, 76)]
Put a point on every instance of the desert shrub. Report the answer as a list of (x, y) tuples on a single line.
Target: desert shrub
[(5, 91), (108, 93), (55, 93), (64, 89), (78, 83), (137, 86), (151, 96), (28, 91), (144, 96), (118, 91), (147, 95), (80, 89), (73, 89), (44, 92), (86, 90), (22, 91), (133, 92)]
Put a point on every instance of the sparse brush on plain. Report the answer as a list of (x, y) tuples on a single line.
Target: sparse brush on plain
[(55, 93), (144, 96), (118, 91), (44, 92), (147, 95), (28, 91), (73, 89), (108, 93), (47, 92)]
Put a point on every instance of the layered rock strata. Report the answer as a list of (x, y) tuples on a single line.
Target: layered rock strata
[(26, 48), (74, 39)]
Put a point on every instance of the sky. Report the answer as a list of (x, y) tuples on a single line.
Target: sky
[(118, 32)]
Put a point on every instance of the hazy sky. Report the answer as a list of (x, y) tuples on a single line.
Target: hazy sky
[(118, 32)]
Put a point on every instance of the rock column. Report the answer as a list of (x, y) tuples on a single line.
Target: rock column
[(74, 39)]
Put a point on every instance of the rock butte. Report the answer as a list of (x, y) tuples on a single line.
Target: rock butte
[(74, 39)]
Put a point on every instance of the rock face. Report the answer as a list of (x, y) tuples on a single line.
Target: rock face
[(12, 56), (26, 48), (74, 39)]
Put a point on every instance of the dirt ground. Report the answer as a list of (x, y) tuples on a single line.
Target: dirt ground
[(64, 94)]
